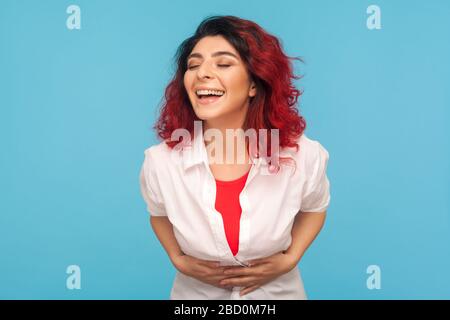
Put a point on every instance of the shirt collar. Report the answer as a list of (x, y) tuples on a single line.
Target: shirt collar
[(195, 152)]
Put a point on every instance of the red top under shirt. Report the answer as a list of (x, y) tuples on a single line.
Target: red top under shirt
[(227, 203)]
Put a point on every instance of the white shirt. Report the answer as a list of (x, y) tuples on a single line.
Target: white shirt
[(179, 184)]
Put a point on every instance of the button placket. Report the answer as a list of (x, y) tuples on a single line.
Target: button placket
[(209, 190), (216, 219), (244, 223)]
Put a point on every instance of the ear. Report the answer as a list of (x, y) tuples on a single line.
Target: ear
[(252, 91)]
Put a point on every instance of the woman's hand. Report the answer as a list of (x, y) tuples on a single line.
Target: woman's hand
[(259, 272), (307, 226), (206, 271)]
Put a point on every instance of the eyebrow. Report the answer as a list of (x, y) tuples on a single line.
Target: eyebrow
[(215, 54)]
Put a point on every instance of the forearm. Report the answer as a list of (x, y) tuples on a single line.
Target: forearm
[(163, 229), (305, 229)]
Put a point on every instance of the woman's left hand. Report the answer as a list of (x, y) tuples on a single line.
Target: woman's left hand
[(259, 272)]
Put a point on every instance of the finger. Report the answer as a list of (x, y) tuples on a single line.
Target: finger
[(217, 278), (248, 290), (210, 264), (210, 272), (239, 271), (256, 262), (239, 281), (213, 266), (212, 280), (206, 271), (216, 281), (217, 272)]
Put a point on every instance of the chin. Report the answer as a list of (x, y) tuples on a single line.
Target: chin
[(207, 113), (207, 116)]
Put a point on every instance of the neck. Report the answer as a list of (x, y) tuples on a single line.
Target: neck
[(233, 145)]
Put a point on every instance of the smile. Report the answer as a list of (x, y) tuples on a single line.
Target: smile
[(209, 96)]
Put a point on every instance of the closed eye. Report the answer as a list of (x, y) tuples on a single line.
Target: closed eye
[(219, 65)]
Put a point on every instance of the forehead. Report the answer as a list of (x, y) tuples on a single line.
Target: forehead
[(210, 44)]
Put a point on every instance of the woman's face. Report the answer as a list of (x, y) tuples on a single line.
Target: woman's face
[(215, 65)]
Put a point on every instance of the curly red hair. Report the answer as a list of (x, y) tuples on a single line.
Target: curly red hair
[(273, 107)]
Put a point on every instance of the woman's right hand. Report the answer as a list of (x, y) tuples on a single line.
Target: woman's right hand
[(206, 271)]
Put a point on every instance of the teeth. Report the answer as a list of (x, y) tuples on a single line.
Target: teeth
[(210, 92)]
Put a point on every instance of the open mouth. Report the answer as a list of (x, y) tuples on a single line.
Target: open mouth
[(209, 96)]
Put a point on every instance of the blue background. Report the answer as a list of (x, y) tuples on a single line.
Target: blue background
[(76, 108)]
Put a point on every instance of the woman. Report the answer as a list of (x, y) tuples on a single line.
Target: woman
[(234, 230)]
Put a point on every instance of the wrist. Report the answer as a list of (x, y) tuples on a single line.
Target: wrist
[(292, 258), (176, 261)]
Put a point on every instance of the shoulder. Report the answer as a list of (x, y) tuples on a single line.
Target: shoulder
[(311, 149), (310, 154), (158, 150), (158, 156)]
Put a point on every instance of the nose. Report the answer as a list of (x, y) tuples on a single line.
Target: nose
[(204, 71)]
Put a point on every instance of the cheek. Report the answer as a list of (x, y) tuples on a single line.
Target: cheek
[(237, 83), (187, 81)]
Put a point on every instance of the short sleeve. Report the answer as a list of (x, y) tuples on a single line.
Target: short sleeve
[(150, 188), (316, 192)]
